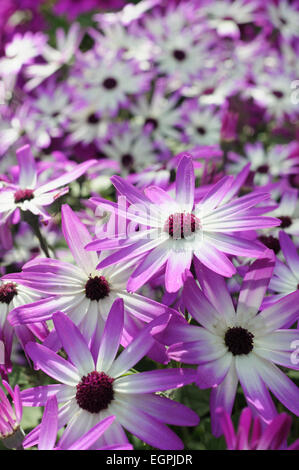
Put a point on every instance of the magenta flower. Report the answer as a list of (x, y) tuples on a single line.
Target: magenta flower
[(242, 345), (11, 434), (172, 232), (253, 435), (83, 292), (29, 194), (95, 384)]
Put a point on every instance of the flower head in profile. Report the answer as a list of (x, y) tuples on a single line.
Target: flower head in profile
[(11, 434), (95, 384), (30, 195), (253, 435), (174, 231)]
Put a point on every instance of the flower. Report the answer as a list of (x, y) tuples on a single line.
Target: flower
[(175, 232), (11, 434), (83, 292), (242, 345), (95, 384), (29, 194), (272, 437)]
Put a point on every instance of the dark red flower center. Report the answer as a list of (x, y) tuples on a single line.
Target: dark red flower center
[(151, 122), (181, 225), (7, 292), (109, 83), (95, 392), (93, 119), (22, 195), (263, 169), (201, 130), (127, 160), (239, 340), (285, 221), (97, 288), (179, 54), (270, 242), (278, 94)]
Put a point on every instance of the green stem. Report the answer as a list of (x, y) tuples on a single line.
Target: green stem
[(33, 221)]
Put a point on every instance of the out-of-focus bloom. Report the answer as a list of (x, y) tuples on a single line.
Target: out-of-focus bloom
[(172, 231), (285, 17), (95, 384), (11, 434), (28, 194), (271, 437), (67, 45), (241, 345)]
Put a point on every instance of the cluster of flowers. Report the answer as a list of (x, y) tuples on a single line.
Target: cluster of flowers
[(188, 259)]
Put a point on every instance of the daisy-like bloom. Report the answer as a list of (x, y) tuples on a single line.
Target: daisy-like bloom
[(49, 428), (173, 230), (13, 295), (85, 122), (133, 150), (286, 275), (83, 292), (66, 46), (180, 56), (273, 92), (201, 125), (285, 17), (46, 118), (253, 435), (267, 165), (242, 345), (109, 82), (95, 384), (159, 115), (11, 433), (29, 194)]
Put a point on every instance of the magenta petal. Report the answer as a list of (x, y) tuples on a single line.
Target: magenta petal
[(53, 365), (73, 343), (49, 425), (77, 237), (27, 175), (145, 427), (154, 380), (255, 284), (137, 349), (66, 178), (90, 437), (111, 336), (185, 182), (165, 410)]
